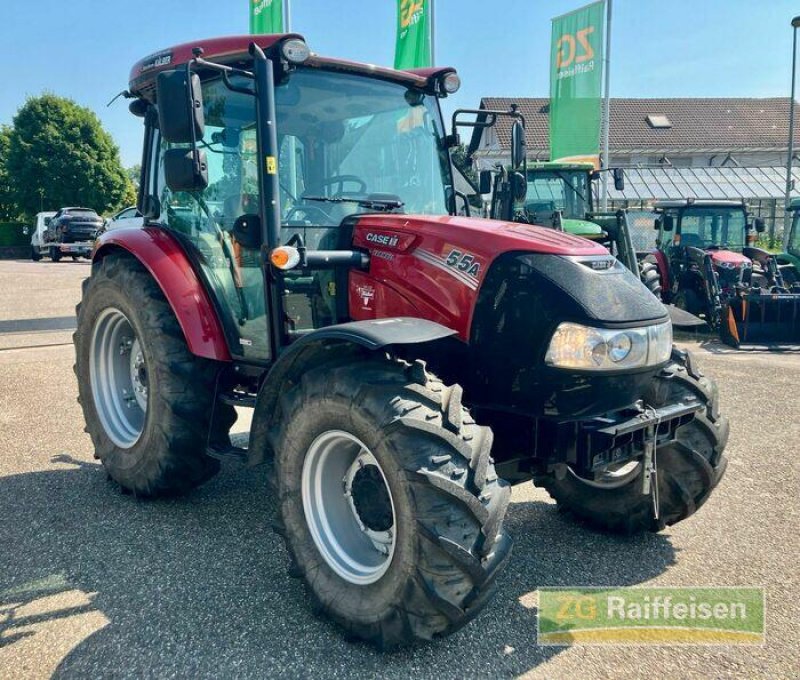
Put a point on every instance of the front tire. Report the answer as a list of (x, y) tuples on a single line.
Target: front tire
[(389, 503), (35, 255), (55, 254), (146, 399), (689, 468)]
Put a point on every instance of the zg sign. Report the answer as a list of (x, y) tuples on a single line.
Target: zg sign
[(574, 48), (576, 82)]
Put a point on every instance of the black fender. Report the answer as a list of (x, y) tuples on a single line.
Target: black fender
[(321, 346)]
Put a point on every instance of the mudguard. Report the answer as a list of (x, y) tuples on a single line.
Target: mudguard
[(316, 347), (163, 257)]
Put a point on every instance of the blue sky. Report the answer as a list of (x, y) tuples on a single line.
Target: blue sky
[(84, 49)]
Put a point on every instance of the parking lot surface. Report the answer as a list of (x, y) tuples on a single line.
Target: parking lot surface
[(96, 584)]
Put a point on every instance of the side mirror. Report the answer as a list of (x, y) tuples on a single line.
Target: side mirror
[(180, 107), (619, 179), (452, 141), (657, 223), (519, 186), (247, 231), (182, 173), (517, 145), (759, 225), (668, 222), (485, 182)]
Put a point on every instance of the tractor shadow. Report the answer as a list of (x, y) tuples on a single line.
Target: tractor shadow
[(198, 587)]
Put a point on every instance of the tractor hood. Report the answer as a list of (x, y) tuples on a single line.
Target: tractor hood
[(727, 258), (437, 266), (486, 239), (582, 228)]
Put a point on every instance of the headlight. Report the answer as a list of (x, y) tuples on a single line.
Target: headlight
[(295, 51), (603, 349), (451, 83)]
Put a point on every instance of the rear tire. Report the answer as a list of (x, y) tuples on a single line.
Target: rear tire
[(151, 440), (688, 468), (651, 278), (35, 255), (446, 502)]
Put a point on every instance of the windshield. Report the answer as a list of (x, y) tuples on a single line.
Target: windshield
[(356, 138), (705, 227), (562, 190)]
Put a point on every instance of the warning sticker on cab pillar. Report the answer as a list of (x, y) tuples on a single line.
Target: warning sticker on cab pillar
[(272, 165)]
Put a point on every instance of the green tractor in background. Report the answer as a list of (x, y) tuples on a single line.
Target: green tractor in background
[(559, 195), (789, 260)]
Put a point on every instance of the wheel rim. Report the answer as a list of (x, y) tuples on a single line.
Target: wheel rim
[(119, 377), (348, 507), (613, 477)]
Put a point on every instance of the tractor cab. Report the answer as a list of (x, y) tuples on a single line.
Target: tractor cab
[(560, 195), (337, 141), (789, 260)]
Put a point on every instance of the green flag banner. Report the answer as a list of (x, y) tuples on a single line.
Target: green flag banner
[(266, 16), (576, 68), (413, 47)]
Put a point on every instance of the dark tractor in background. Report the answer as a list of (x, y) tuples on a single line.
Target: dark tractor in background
[(301, 256), (710, 268)]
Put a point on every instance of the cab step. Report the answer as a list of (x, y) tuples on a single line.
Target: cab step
[(231, 453), (236, 398)]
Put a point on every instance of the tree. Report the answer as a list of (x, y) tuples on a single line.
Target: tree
[(8, 208), (134, 174), (59, 155), (463, 162)]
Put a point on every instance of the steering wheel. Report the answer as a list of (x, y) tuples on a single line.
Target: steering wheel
[(341, 180)]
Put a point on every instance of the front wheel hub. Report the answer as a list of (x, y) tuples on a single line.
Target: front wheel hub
[(118, 376), (348, 507)]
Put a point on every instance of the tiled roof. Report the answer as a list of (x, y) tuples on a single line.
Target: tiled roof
[(719, 124)]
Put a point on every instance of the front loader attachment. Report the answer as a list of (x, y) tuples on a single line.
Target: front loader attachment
[(761, 318)]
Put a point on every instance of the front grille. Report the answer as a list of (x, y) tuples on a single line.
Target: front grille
[(729, 277)]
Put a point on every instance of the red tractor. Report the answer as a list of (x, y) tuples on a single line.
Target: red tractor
[(710, 268), (300, 257)]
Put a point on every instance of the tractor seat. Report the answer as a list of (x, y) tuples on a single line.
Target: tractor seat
[(691, 240)]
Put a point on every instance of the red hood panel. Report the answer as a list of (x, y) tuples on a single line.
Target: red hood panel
[(487, 237), (729, 257), (432, 267)]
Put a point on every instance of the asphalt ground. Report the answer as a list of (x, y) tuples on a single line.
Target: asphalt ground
[(96, 584)]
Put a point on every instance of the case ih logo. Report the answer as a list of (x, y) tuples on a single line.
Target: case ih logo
[(382, 239)]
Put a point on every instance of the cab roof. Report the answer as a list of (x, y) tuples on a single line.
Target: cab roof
[(234, 50), (698, 203), (546, 165)]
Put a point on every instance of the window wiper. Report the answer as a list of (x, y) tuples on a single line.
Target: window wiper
[(379, 204)]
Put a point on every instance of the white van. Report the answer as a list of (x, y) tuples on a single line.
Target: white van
[(40, 223)]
